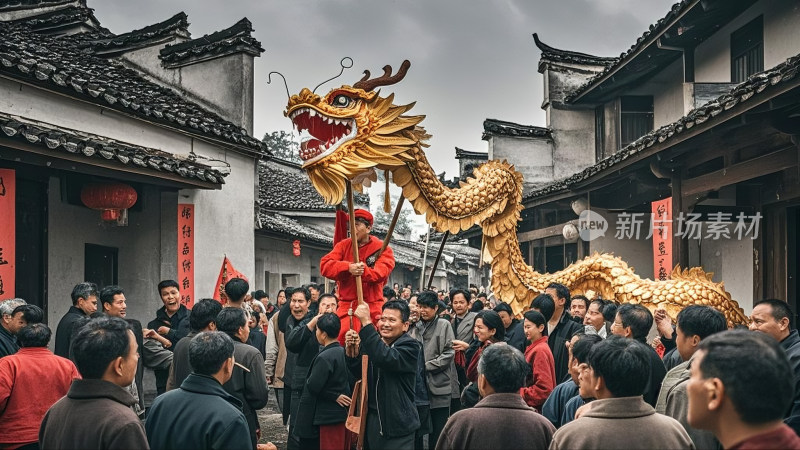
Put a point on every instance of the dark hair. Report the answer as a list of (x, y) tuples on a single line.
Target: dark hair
[(330, 324), (482, 294), (532, 316), (477, 306), (107, 294), (581, 347), (229, 320), (30, 313), (99, 343), (83, 290), (203, 313), (321, 296), (780, 309), (545, 304), (389, 293), (623, 363), (561, 291), (259, 294), (639, 318), (609, 310), (429, 299), (398, 305), (581, 298), (503, 307), (304, 290), (34, 335), (208, 351), (493, 321), (168, 283), (504, 367), (455, 292), (755, 371), (236, 289), (701, 320)]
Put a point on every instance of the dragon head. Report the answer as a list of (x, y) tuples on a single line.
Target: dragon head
[(352, 130)]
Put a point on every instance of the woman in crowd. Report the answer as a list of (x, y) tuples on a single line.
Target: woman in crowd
[(538, 354)]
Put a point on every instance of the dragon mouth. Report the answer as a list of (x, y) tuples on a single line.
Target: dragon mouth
[(320, 135)]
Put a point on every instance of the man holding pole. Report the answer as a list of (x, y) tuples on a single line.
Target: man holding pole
[(365, 267)]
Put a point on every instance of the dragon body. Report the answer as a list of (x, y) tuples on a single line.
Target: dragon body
[(350, 132)]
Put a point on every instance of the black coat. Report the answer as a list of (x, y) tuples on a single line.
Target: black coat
[(556, 340), (792, 347), (328, 378), (301, 342), (178, 324), (657, 373), (199, 415), (250, 388), (258, 339), (64, 331), (392, 377), (515, 335)]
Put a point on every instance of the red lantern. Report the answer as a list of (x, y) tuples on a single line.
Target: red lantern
[(110, 198), (296, 248)]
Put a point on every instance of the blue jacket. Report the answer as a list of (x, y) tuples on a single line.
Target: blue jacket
[(199, 415)]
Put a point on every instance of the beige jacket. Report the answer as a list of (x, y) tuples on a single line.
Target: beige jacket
[(275, 360)]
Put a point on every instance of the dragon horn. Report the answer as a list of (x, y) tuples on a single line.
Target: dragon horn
[(384, 80)]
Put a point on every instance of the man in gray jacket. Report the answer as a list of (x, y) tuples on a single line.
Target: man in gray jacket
[(436, 336), (463, 323)]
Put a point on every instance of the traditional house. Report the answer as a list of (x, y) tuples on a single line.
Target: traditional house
[(699, 116), (150, 128)]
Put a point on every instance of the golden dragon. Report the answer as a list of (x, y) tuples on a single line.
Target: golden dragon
[(352, 130)]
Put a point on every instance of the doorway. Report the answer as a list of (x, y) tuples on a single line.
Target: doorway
[(100, 264)]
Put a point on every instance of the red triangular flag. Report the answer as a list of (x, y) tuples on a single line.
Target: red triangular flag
[(340, 227), (226, 273)]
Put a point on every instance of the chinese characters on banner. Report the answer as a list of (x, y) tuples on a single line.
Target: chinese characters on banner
[(186, 253), (8, 195), (662, 238)]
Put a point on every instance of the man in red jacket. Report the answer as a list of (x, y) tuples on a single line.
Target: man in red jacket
[(374, 270)]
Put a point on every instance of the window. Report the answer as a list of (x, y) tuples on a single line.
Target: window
[(747, 50), (636, 118)]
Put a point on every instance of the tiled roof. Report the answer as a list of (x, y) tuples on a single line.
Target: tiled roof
[(58, 64), (654, 30), (743, 92), (286, 188), (494, 127), (461, 153), (566, 56), (70, 141), (175, 25), (236, 37), (60, 19), (280, 224), (28, 4)]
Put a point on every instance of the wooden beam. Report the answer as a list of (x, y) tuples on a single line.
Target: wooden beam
[(542, 233), (756, 167)]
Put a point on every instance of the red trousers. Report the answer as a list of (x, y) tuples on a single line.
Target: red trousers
[(375, 310), (331, 437)]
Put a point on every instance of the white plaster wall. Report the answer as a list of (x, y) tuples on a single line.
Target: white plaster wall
[(224, 223), (142, 258), (532, 157), (573, 137), (637, 253), (781, 40), (668, 95)]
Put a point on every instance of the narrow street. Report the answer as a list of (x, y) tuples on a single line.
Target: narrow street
[(272, 428)]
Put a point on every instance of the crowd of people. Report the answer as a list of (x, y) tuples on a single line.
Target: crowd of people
[(443, 370)]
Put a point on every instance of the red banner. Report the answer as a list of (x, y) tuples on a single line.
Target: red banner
[(8, 232), (661, 223), (226, 273), (186, 253)]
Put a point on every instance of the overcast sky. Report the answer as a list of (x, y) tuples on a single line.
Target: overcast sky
[(470, 60)]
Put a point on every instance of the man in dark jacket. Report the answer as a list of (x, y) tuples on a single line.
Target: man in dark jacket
[(201, 415), (634, 322), (11, 321), (248, 382), (515, 335), (84, 303), (560, 327), (302, 345), (203, 317), (392, 416), (172, 322), (323, 406), (97, 413)]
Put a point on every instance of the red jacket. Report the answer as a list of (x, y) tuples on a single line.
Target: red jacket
[(540, 358), (336, 266), (31, 381)]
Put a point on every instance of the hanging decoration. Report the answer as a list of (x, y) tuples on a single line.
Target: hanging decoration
[(186, 253), (296, 248), (110, 198), (8, 195)]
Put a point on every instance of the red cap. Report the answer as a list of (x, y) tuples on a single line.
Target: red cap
[(364, 215)]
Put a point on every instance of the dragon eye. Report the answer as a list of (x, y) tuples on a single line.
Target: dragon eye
[(342, 101)]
